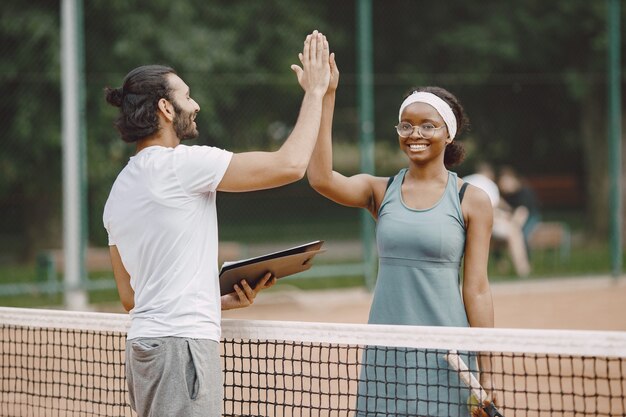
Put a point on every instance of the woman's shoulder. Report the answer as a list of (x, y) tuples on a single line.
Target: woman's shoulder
[(477, 200)]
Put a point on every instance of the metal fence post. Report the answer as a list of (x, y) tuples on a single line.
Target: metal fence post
[(615, 136), (74, 196), (366, 127)]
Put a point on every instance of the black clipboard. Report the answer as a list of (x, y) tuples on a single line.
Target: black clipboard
[(280, 264)]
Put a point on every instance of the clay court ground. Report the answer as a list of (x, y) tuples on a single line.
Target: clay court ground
[(586, 303)]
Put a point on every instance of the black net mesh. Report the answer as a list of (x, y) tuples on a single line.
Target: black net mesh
[(64, 371)]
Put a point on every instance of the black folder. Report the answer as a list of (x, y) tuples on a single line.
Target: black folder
[(280, 264)]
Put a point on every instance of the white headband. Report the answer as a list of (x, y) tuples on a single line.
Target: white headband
[(443, 108)]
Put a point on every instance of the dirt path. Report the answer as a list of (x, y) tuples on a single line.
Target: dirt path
[(590, 303)]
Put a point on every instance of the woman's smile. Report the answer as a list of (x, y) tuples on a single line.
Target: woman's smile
[(418, 147)]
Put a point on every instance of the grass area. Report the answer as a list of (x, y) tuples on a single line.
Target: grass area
[(588, 260), (291, 213), (295, 213), (254, 232), (33, 293), (326, 283)]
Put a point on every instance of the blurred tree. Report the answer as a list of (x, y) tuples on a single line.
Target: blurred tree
[(235, 56), (30, 161), (532, 76)]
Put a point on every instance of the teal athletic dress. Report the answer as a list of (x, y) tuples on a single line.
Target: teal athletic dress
[(420, 253)]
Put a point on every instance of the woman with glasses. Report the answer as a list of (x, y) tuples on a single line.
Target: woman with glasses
[(428, 222)]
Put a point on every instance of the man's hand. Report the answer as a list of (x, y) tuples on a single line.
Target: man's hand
[(314, 75), (244, 295)]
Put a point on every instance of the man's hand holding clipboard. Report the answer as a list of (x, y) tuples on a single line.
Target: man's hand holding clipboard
[(279, 264)]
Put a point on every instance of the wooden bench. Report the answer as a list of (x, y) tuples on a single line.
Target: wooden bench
[(548, 238), (98, 259), (551, 236), (557, 191), (51, 263)]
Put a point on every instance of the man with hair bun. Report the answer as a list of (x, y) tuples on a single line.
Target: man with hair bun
[(162, 226)]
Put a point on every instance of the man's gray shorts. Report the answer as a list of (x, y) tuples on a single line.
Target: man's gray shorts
[(174, 376)]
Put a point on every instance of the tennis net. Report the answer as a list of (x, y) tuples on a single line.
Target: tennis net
[(57, 363)]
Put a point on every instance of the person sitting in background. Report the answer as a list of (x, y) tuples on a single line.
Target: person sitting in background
[(506, 226), (484, 178), (521, 199)]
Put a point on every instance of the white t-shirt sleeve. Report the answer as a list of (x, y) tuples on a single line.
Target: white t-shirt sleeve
[(111, 240), (200, 168), (105, 221)]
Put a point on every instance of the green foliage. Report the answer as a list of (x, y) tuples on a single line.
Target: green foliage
[(522, 70), (235, 56), (30, 162), (546, 264)]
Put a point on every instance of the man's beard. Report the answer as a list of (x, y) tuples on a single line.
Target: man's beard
[(183, 124)]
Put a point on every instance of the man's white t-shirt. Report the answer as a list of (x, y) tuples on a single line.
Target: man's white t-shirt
[(161, 215)]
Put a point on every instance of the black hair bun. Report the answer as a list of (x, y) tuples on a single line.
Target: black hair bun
[(114, 96)]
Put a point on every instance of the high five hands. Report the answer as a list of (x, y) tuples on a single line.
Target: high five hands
[(314, 76)]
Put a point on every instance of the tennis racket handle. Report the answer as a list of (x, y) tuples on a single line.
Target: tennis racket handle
[(491, 410), (466, 376)]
